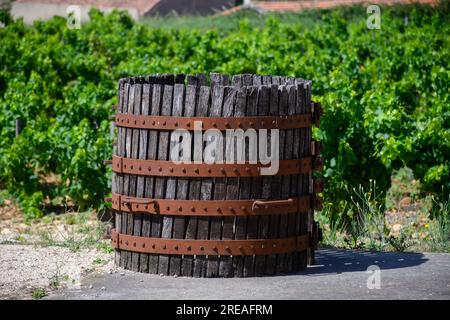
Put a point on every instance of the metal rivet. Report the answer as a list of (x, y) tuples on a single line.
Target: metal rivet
[(153, 246), (184, 170), (202, 248), (140, 168), (164, 123), (146, 207), (196, 170), (134, 244), (180, 208), (176, 247), (131, 167), (149, 169), (209, 170), (143, 245), (188, 124), (126, 242), (193, 209), (167, 208), (171, 169), (164, 247), (206, 209), (189, 248), (227, 125), (222, 170), (214, 124), (135, 121), (143, 122), (176, 124), (153, 123), (159, 169)]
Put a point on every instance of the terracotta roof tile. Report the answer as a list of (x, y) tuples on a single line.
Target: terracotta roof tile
[(141, 5), (295, 6)]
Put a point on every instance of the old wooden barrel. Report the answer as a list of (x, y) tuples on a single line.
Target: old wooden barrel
[(205, 217)]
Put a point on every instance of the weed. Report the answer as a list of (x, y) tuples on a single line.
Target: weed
[(39, 293)]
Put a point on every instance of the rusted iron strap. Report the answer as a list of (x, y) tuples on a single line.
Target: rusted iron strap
[(209, 207), (169, 168), (187, 123), (210, 247)]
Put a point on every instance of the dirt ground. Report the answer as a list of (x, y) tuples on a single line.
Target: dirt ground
[(56, 252)]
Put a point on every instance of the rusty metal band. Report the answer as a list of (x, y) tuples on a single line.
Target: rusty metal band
[(210, 247), (205, 123), (171, 169), (210, 207)]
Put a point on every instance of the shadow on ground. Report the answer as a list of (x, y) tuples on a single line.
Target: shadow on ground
[(338, 261)]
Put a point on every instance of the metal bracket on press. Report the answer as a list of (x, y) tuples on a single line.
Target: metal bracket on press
[(317, 113), (318, 163), (316, 148), (209, 207)]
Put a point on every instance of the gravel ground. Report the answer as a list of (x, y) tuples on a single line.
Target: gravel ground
[(27, 268)]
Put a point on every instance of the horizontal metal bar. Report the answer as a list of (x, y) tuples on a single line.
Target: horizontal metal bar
[(210, 247), (209, 207), (169, 168), (188, 123)]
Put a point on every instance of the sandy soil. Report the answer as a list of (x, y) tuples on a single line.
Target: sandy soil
[(27, 268), (42, 255)]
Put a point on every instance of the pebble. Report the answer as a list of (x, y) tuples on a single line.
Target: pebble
[(122, 273), (175, 276), (102, 288), (91, 286)]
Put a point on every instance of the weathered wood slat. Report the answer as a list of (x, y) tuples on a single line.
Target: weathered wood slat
[(153, 149), (285, 181), (165, 187), (181, 185), (293, 180), (142, 223), (135, 221), (126, 255), (118, 178), (255, 183), (219, 184), (200, 263), (231, 188), (266, 182), (240, 223), (192, 90)]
